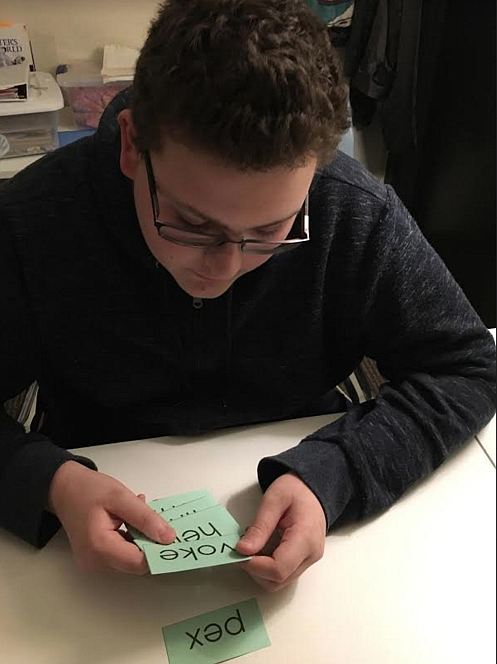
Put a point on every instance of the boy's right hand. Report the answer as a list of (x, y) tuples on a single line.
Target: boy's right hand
[(91, 507)]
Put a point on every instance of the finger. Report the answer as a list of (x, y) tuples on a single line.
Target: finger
[(274, 586), (138, 514), (273, 506), (142, 497), (117, 554), (258, 566), (287, 557)]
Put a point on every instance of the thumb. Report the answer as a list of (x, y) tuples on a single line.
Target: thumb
[(137, 513), (271, 510)]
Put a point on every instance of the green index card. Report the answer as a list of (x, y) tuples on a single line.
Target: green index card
[(217, 636), (163, 504), (207, 552), (192, 507), (172, 508), (211, 522)]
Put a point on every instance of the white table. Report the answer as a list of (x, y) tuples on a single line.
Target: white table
[(486, 437), (414, 586)]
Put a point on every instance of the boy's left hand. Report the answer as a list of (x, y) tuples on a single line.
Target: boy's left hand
[(291, 507)]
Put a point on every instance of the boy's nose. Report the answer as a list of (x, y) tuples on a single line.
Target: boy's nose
[(222, 262)]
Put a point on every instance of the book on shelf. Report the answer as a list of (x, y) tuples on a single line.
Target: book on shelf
[(16, 62)]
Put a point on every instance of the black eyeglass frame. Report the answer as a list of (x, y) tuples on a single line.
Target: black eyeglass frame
[(248, 246)]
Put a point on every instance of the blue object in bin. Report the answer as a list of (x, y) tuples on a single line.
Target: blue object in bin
[(66, 137)]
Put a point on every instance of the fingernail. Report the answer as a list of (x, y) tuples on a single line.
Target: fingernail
[(167, 535), (247, 541), (250, 537)]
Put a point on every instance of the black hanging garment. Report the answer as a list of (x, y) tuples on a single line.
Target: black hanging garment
[(427, 70)]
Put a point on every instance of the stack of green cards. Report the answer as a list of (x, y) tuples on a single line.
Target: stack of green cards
[(207, 534)]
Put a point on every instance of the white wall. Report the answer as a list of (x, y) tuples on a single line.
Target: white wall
[(65, 30)]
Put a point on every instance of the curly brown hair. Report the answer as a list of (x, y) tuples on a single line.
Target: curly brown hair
[(256, 83)]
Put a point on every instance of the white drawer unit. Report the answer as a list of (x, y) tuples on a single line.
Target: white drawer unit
[(30, 127)]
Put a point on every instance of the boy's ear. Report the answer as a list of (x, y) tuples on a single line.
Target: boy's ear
[(130, 157)]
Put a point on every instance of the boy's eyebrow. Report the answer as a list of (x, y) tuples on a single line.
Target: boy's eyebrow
[(216, 222)]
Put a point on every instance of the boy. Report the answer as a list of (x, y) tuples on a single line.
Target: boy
[(208, 260)]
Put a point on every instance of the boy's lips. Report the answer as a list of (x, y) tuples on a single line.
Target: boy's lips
[(201, 276)]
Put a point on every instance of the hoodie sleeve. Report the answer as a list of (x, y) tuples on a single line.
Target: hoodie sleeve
[(439, 360), (28, 461)]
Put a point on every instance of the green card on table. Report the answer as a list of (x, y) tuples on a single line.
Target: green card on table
[(217, 636)]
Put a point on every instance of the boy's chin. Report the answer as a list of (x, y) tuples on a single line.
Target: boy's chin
[(203, 289)]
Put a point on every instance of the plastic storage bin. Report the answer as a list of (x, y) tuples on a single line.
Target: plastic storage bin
[(30, 127), (85, 92)]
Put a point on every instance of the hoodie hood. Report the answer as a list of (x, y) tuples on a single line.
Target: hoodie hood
[(107, 177)]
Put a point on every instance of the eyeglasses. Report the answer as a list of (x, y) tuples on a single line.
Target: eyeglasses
[(188, 238)]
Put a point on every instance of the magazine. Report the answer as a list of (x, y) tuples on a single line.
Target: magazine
[(16, 61)]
